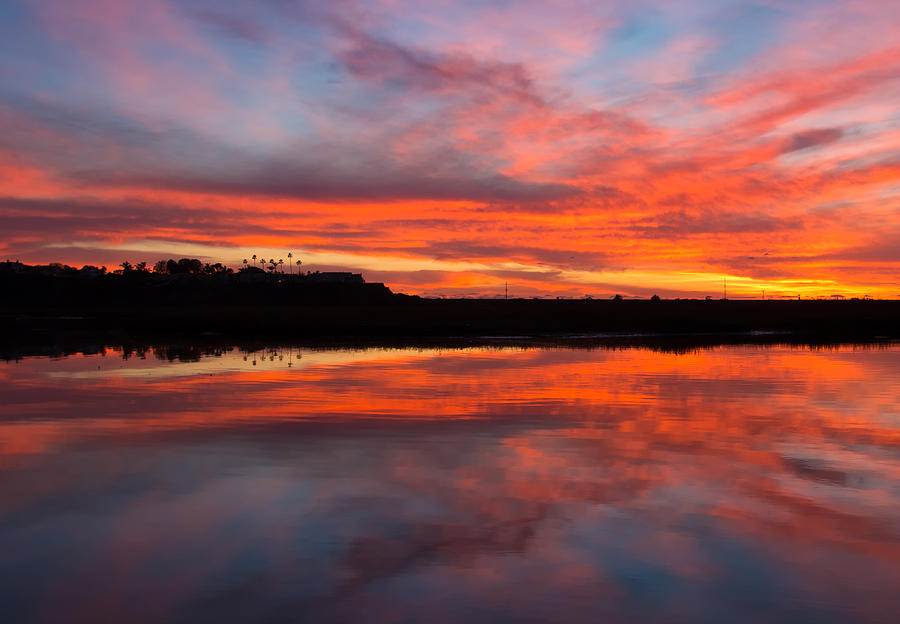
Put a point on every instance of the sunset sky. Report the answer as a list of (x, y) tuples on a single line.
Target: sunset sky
[(567, 147)]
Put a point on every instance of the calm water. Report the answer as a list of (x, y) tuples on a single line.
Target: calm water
[(738, 484)]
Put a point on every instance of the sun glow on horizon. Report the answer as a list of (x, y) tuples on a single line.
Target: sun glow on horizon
[(568, 150)]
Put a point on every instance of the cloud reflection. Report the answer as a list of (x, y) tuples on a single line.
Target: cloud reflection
[(477, 484)]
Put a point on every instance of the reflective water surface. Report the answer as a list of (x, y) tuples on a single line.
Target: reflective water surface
[(733, 484)]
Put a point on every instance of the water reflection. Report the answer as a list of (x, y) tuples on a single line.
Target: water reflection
[(728, 484)]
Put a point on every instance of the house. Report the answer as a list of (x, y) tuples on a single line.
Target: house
[(336, 277), (91, 271)]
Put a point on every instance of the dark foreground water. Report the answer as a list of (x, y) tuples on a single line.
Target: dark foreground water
[(738, 484)]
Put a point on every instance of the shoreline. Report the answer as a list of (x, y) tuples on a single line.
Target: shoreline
[(65, 344), (665, 325)]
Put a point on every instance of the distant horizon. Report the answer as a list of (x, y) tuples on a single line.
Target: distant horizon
[(568, 148), (114, 268)]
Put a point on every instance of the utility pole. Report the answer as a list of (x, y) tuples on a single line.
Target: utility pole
[(506, 295)]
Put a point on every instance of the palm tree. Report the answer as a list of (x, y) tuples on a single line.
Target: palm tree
[(281, 264), (254, 258), (245, 263), (290, 266), (298, 267)]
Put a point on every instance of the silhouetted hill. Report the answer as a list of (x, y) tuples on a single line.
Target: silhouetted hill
[(186, 282)]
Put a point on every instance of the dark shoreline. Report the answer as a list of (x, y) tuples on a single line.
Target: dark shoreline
[(413, 322), (189, 302)]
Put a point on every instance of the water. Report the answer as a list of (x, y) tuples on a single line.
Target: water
[(734, 484)]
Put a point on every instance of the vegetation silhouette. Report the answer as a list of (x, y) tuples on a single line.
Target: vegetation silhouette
[(184, 281), (190, 298)]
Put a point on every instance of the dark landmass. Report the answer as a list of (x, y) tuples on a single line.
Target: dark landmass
[(48, 306)]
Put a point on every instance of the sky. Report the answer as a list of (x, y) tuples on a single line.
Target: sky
[(567, 148)]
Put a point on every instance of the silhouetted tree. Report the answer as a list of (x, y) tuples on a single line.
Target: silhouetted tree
[(185, 266), (191, 266)]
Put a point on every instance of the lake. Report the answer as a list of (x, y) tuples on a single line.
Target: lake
[(178, 484)]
